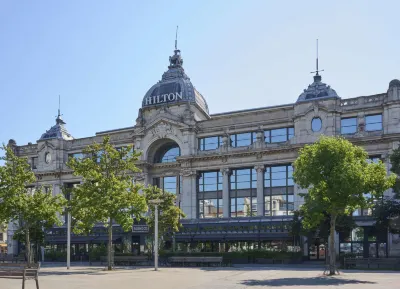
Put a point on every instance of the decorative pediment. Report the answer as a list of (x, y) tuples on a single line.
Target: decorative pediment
[(163, 127), (46, 145)]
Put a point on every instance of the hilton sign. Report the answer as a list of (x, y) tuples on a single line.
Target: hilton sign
[(163, 98)]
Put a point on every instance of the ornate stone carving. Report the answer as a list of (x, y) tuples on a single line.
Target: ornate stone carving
[(225, 171), (188, 173), (162, 130), (259, 168)]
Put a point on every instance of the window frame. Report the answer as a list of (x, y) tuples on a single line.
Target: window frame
[(348, 118), (372, 115), (268, 190), (203, 194), (252, 191), (234, 142), (269, 137), (202, 144)]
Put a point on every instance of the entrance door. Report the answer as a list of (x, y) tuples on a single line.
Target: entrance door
[(317, 252)]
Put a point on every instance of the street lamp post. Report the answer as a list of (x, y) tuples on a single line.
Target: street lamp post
[(155, 203), (69, 240)]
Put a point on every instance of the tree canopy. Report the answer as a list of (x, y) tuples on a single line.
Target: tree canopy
[(21, 201), (338, 178), (169, 213), (107, 193)]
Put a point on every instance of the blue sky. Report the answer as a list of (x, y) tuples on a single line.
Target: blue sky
[(102, 56)]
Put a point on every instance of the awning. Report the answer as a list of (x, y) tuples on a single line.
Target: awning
[(3, 245)]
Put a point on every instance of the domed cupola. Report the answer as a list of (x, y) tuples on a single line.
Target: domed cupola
[(57, 131), (317, 90), (174, 87)]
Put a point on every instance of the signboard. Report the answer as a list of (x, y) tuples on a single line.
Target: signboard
[(140, 229), (163, 98)]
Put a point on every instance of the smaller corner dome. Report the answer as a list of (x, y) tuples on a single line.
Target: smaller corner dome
[(57, 131), (394, 82), (317, 90), (174, 87)]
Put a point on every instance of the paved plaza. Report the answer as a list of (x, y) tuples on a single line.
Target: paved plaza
[(205, 278)]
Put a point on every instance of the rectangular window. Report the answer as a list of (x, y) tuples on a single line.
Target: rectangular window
[(170, 184), (278, 191), (278, 135), (34, 163), (243, 139), (348, 125), (209, 194), (77, 156), (373, 122), (210, 143), (243, 193), (131, 151)]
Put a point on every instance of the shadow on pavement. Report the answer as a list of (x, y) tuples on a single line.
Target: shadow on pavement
[(314, 281), (64, 273)]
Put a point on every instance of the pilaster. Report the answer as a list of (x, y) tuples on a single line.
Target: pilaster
[(260, 189), (225, 191)]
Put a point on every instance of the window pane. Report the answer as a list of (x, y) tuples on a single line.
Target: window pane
[(373, 122), (349, 125), (210, 208), (209, 143), (170, 184), (267, 206), (279, 205), (279, 135), (267, 136), (316, 124), (291, 132)]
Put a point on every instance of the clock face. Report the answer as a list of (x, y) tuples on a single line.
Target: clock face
[(47, 157)]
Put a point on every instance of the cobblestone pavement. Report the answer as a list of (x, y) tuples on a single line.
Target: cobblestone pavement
[(205, 278)]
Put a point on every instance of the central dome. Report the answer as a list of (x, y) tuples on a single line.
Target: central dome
[(318, 90), (174, 87)]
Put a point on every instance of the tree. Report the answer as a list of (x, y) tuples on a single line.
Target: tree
[(169, 213), (395, 168), (337, 176), (387, 216), (32, 207), (107, 192)]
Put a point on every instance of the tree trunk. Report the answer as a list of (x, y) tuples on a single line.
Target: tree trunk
[(332, 251), (110, 245), (27, 247)]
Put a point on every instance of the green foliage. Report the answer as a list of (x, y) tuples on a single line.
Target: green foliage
[(169, 213), (95, 252), (337, 176), (395, 168), (34, 208), (107, 192), (107, 189), (387, 215)]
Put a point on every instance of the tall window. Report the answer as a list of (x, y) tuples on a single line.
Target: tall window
[(243, 193), (171, 184), (210, 143), (278, 191), (168, 154), (373, 122), (34, 163), (243, 139), (278, 135), (348, 125), (209, 195)]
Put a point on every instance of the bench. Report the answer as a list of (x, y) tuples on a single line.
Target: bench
[(387, 263), (10, 258), (20, 271), (125, 260), (195, 260)]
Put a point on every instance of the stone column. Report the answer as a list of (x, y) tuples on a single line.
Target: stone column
[(225, 191), (260, 189), (188, 195)]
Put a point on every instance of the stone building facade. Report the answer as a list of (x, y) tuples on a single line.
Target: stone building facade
[(231, 172)]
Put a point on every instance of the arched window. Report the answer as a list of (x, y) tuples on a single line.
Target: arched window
[(167, 153)]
